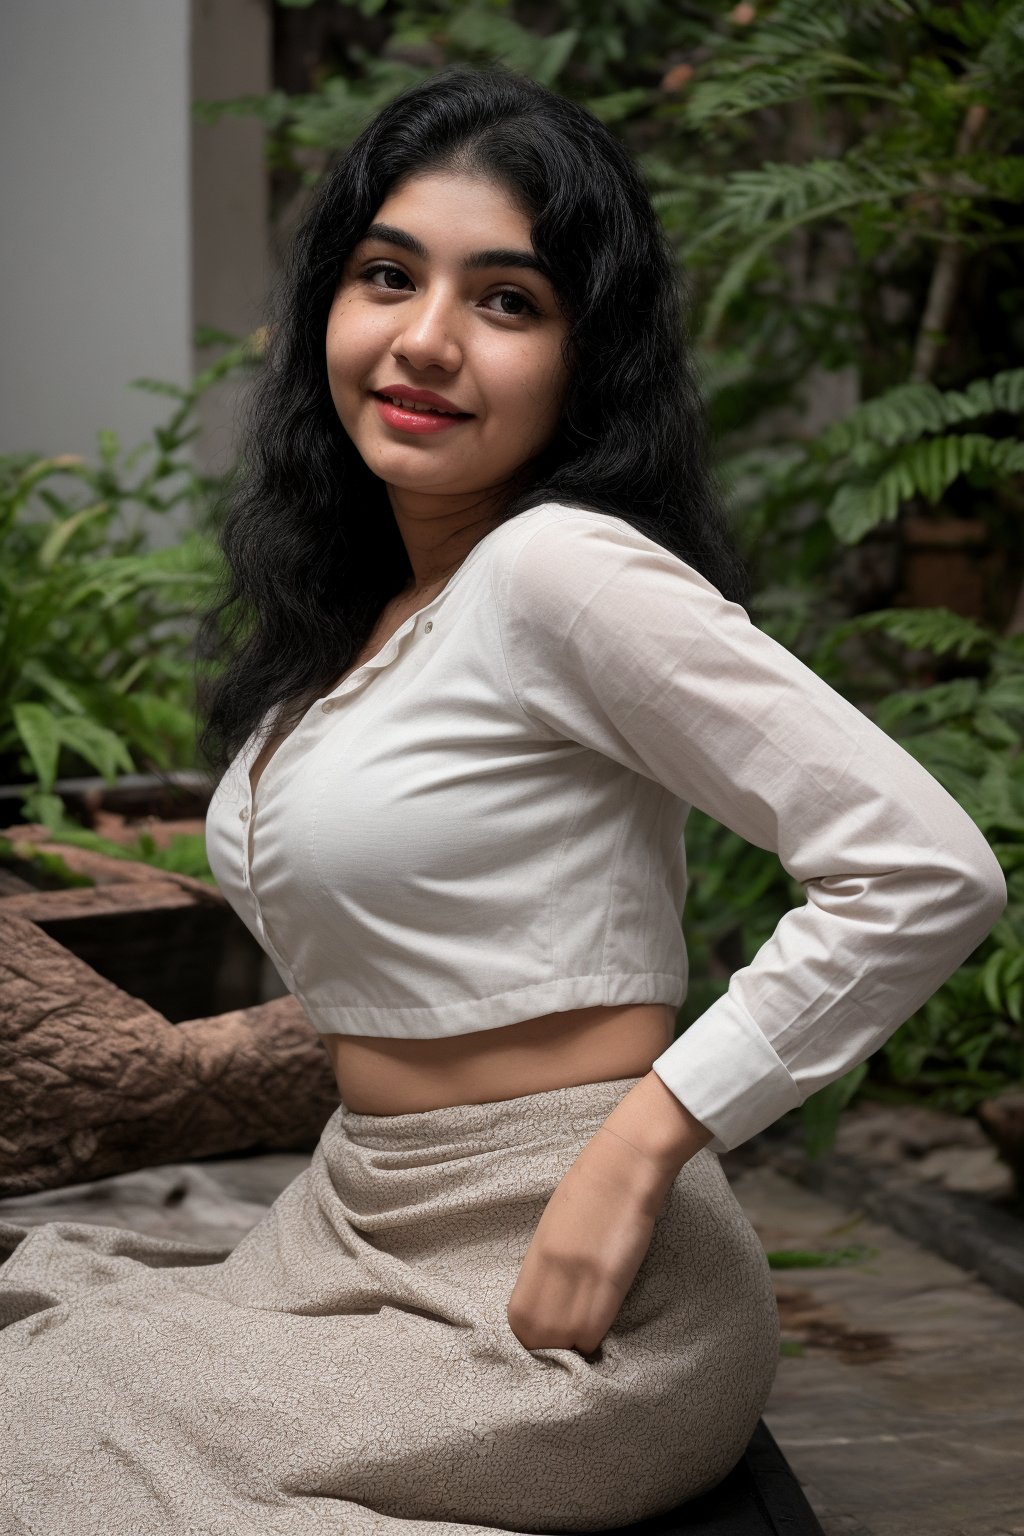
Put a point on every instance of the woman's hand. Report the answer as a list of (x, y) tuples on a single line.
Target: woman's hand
[(588, 1245)]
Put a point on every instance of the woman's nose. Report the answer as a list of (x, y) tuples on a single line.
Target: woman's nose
[(428, 332)]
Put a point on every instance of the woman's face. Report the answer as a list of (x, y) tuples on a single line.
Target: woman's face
[(456, 315)]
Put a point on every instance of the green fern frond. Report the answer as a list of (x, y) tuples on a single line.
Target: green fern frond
[(731, 92), (938, 630), (766, 205), (791, 30), (922, 469), (810, 192), (1003, 392), (900, 415), (953, 700), (791, 53), (910, 410), (793, 193)]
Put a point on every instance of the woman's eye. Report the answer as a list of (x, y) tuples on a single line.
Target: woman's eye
[(372, 272), (512, 293), (520, 298)]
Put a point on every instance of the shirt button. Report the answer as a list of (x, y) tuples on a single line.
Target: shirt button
[(326, 706), (243, 814), (428, 626)]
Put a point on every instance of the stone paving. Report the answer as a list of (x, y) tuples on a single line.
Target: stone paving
[(899, 1400)]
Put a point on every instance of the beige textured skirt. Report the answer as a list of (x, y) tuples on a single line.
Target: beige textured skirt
[(349, 1368)]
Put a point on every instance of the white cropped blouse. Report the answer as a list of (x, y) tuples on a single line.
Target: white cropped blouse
[(484, 823)]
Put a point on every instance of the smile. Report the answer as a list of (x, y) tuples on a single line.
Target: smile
[(416, 418), (417, 405)]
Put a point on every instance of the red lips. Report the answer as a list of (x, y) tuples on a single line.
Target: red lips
[(421, 397)]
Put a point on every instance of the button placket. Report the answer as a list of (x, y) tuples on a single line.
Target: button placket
[(245, 816), (362, 675)]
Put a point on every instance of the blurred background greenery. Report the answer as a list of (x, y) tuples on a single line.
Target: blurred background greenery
[(843, 184)]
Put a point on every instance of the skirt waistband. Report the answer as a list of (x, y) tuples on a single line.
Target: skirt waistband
[(577, 1109)]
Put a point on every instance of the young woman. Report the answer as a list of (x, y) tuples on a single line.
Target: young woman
[(487, 647)]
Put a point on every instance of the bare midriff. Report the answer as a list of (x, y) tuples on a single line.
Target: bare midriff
[(385, 1076), (382, 1075)]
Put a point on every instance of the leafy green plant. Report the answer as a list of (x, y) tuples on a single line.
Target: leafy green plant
[(95, 667), (967, 1040)]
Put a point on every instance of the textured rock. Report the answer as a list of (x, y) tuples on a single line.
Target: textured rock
[(94, 1082)]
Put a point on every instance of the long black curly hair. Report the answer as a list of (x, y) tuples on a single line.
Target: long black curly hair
[(309, 537)]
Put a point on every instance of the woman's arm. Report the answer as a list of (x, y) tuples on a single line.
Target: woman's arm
[(615, 643), (596, 1229), (655, 1122)]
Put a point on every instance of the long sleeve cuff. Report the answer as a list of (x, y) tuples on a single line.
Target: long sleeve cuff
[(701, 1069)]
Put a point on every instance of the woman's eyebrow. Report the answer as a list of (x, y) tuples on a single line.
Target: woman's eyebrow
[(500, 257)]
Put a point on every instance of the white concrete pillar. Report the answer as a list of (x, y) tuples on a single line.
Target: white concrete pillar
[(126, 222)]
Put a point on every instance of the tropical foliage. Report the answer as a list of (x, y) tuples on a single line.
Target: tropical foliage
[(95, 661)]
